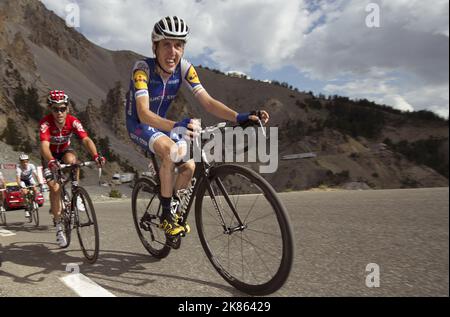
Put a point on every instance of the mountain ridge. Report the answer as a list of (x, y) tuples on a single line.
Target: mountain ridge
[(350, 145)]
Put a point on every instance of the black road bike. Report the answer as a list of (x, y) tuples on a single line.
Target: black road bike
[(78, 211), (243, 226), (32, 206)]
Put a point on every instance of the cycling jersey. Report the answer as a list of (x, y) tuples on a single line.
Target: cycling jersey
[(26, 174), (146, 82), (60, 138)]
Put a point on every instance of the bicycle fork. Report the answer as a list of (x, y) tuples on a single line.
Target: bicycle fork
[(226, 230)]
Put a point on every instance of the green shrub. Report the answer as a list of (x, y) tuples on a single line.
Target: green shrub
[(114, 193), (426, 152)]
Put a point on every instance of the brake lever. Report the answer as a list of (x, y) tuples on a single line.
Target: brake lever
[(262, 127)]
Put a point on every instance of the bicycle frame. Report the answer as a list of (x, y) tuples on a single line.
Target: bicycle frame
[(201, 174)]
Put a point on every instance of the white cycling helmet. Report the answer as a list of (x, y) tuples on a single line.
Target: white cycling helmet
[(170, 28), (23, 157)]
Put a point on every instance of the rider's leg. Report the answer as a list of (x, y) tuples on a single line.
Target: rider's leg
[(71, 158), (185, 173), (55, 200), (162, 147)]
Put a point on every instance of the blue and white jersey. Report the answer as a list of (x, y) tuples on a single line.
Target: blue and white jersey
[(146, 82)]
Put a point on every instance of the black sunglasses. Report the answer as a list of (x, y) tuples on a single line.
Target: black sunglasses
[(59, 109)]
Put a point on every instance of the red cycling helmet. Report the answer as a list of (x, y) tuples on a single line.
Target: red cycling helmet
[(57, 96)]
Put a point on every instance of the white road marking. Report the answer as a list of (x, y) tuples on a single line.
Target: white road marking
[(84, 286), (6, 233)]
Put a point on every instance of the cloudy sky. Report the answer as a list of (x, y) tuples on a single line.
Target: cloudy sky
[(324, 46)]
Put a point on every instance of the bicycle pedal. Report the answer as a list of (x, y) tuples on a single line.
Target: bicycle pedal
[(144, 226), (173, 242)]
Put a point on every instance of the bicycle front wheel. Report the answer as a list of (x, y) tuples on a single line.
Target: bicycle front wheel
[(35, 214), (86, 224), (247, 235)]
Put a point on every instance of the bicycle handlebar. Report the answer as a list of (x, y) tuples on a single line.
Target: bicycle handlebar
[(222, 125), (87, 163), (82, 164)]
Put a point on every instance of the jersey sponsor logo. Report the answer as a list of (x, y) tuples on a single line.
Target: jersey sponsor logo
[(140, 80), (142, 65), (44, 127), (60, 139), (173, 82), (78, 126), (192, 76)]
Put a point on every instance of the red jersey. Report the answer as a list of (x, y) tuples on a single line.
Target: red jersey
[(60, 138)]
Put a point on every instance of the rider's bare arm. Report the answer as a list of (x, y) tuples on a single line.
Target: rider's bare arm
[(150, 118), (90, 146), (45, 150), (215, 107)]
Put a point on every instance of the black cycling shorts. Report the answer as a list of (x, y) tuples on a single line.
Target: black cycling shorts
[(48, 175)]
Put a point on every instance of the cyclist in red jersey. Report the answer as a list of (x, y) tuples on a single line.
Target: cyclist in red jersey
[(56, 130)]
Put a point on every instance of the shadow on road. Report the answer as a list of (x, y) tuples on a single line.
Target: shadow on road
[(112, 267), (26, 227)]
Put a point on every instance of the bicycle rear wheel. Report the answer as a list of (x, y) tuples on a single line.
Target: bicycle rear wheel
[(254, 251), (146, 209), (86, 224)]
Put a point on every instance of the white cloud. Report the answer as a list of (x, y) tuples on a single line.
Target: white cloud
[(325, 40)]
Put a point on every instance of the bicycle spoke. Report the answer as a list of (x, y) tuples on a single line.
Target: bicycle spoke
[(262, 232), (251, 209), (259, 218), (255, 246)]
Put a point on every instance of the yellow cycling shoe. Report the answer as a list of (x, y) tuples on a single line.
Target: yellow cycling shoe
[(172, 228)]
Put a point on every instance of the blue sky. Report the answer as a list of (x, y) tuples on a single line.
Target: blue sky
[(324, 46)]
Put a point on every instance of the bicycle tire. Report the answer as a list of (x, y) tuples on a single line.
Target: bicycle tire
[(3, 218), (90, 252), (153, 193), (287, 249), (35, 214), (66, 220)]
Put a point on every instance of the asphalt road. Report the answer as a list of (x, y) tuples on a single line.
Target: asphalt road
[(405, 232)]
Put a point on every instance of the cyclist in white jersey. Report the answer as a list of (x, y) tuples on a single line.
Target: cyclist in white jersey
[(26, 175)]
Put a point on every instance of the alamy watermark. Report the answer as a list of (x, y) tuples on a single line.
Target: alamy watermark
[(224, 144), (72, 11), (373, 18), (73, 268), (373, 278), (231, 144)]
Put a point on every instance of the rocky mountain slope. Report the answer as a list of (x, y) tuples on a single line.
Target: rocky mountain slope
[(355, 141)]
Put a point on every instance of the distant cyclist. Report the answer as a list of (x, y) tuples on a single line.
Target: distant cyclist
[(56, 130), (2, 192), (154, 84), (26, 176)]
